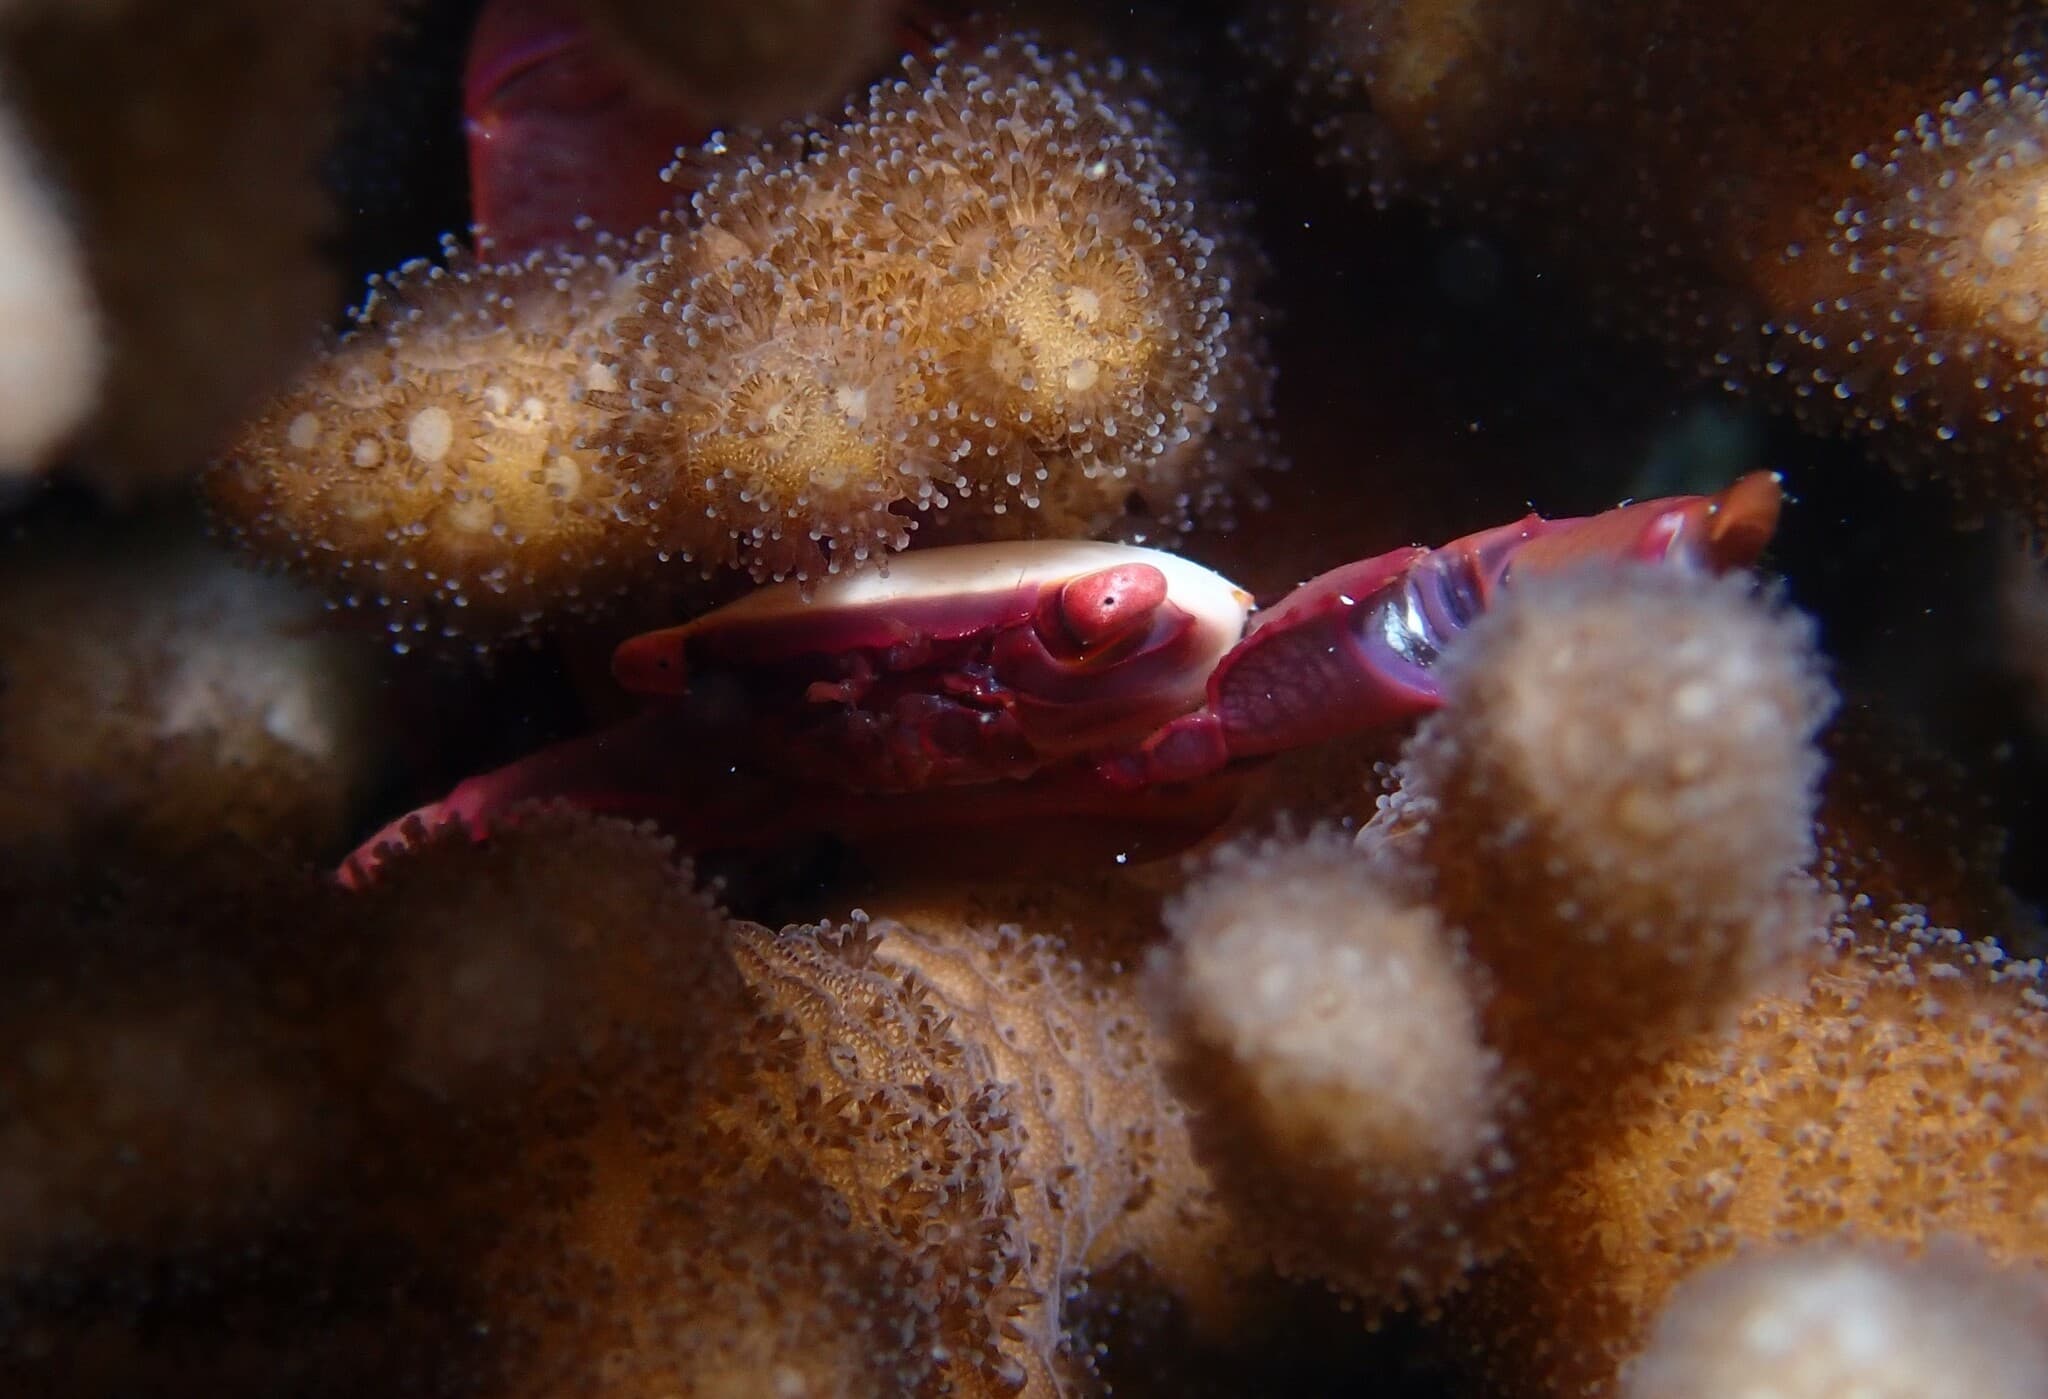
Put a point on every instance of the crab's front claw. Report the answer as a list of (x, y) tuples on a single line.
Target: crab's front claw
[(1358, 647), (1727, 530), (560, 133)]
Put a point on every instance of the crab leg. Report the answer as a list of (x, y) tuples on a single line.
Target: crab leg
[(633, 768), (1356, 648)]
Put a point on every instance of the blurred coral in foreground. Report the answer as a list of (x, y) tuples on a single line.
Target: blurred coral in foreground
[(51, 364), (157, 698), (1826, 1321), (199, 228), (1836, 203)]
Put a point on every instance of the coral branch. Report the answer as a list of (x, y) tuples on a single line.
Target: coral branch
[(1005, 289), (201, 223), (1328, 1033), (1822, 1321), (1618, 798), (441, 465), (53, 358)]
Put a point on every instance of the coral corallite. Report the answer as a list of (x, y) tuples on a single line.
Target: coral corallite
[(995, 294)]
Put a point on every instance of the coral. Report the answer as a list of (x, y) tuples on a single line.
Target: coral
[(997, 283), (441, 466), (998, 279), (200, 227), (1828, 204), (646, 1149), (1627, 762), (1829, 1320), (158, 698), (51, 367), (1637, 1019), (161, 1095), (1397, 1052), (1676, 1095), (1328, 1025), (1899, 1095)]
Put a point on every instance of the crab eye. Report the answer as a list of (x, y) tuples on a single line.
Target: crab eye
[(1098, 608)]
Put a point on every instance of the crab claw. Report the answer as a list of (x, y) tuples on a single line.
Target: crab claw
[(1358, 647), (559, 132), (1718, 532)]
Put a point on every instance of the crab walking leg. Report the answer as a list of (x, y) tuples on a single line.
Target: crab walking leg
[(641, 766), (643, 769), (1356, 648)]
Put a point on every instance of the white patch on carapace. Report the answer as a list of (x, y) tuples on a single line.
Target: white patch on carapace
[(1220, 608)]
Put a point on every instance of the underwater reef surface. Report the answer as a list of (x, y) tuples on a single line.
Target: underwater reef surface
[(1656, 1015)]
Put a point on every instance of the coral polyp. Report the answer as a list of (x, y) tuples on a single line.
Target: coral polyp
[(1951, 221), (774, 396)]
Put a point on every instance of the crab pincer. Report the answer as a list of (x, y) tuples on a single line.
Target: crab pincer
[(1356, 648)]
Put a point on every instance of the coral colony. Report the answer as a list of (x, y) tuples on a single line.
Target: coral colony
[(1642, 1006)]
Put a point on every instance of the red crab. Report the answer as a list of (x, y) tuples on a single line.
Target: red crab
[(1101, 691)]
